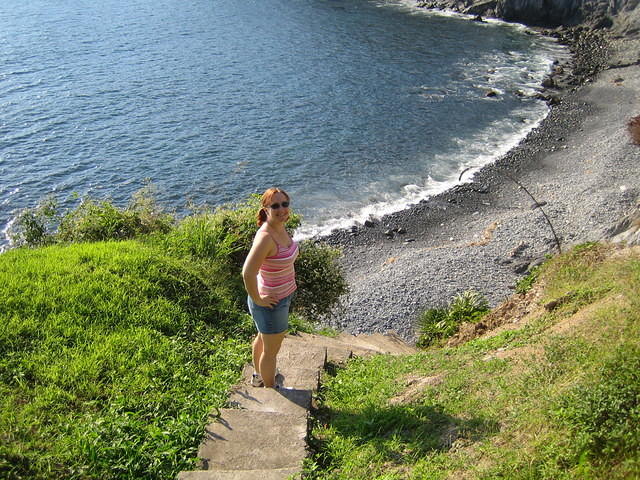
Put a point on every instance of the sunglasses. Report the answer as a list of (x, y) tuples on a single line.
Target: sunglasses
[(276, 206)]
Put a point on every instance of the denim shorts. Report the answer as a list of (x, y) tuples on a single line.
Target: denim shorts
[(271, 319)]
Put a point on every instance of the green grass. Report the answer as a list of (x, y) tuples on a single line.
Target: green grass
[(558, 398), (111, 357)]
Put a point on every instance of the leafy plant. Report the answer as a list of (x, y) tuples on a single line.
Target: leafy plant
[(439, 323), (33, 226), (90, 221), (321, 281)]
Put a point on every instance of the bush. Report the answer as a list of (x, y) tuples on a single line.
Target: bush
[(225, 235), (90, 221), (439, 323), (320, 280), (33, 226)]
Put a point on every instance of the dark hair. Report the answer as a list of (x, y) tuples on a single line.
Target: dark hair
[(267, 198)]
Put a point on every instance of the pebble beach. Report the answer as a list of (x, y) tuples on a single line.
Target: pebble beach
[(570, 181)]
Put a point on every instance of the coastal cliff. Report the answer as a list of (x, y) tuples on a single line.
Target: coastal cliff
[(620, 15)]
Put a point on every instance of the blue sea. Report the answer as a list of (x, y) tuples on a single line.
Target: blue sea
[(356, 107)]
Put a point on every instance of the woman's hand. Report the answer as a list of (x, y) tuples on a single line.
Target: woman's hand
[(266, 301)]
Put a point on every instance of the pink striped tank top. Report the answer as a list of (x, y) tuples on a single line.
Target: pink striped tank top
[(277, 275)]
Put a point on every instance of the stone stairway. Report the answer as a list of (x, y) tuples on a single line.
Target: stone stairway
[(263, 435)]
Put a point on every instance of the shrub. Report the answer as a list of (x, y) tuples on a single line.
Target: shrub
[(33, 226), (94, 221), (634, 129), (90, 221), (224, 236), (320, 280), (439, 323)]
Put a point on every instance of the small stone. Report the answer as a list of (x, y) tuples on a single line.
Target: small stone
[(368, 223)]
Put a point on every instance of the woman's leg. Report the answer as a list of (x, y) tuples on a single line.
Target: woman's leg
[(271, 343), (257, 352)]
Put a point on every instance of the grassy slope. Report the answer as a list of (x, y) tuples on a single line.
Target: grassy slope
[(555, 396), (111, 356)]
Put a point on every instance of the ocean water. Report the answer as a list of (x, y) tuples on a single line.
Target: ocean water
[(356, 107)]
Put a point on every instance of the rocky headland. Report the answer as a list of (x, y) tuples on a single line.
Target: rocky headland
[(575, 178)]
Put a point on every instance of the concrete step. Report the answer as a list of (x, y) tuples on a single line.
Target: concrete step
[(273, 474), (264, 436), (282, 400), (337, 350), (294, 378), (247, 440), (292, 354)]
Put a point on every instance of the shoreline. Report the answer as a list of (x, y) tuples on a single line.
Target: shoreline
[(483, 235)]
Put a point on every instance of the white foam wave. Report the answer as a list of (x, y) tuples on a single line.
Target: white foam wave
[(475, 152), (5, 239)]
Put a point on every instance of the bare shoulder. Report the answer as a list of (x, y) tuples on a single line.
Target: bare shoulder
[(263, 241)]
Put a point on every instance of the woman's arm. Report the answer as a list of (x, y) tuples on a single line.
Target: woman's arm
[(263, 246)]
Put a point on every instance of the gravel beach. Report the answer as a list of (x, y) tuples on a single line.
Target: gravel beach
[(483, 235)]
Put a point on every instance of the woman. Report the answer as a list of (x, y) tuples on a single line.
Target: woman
[(270, 280)]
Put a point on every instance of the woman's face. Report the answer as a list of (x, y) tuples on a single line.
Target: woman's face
[(276, 211)]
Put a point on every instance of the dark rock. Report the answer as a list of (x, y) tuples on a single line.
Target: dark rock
[(536, 262), (553, 100), (369, 223), (549, 82), (516, 252), (603, 22), (401, 230), (521, 267)]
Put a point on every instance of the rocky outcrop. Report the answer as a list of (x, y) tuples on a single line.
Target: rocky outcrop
[(627, 231), (621, 15)]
